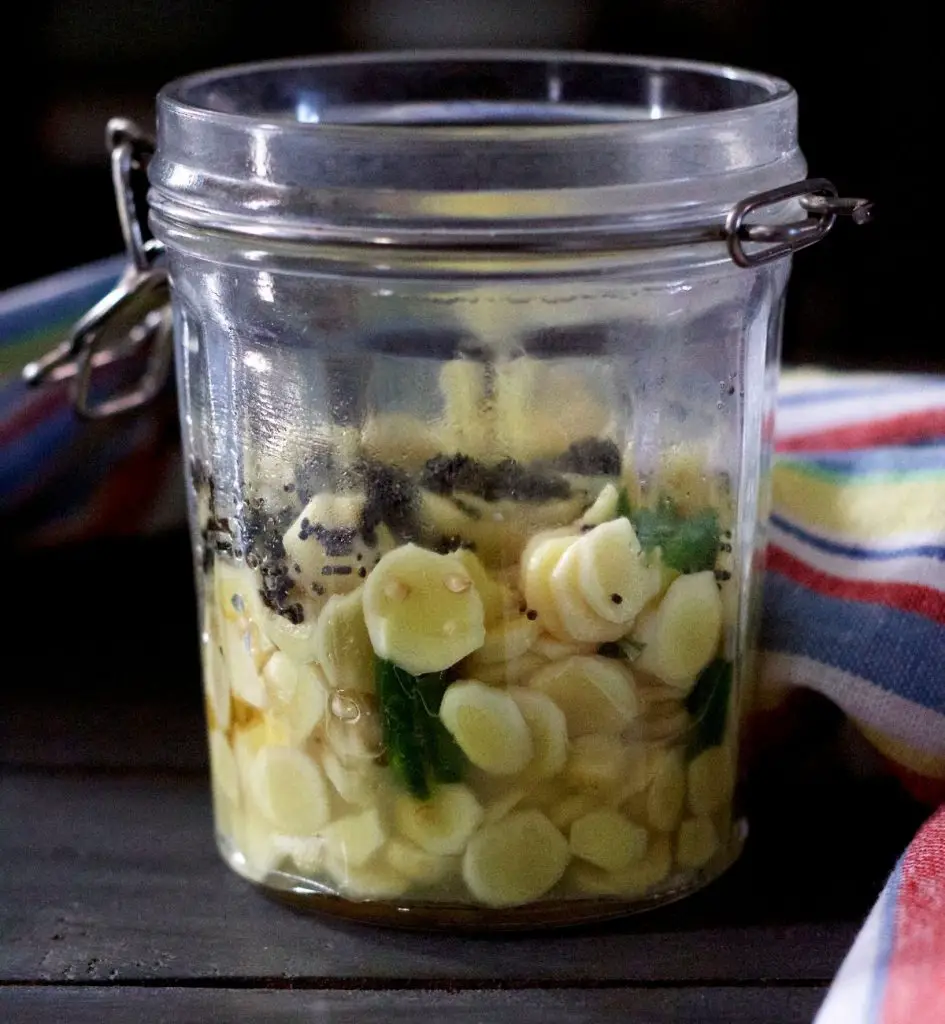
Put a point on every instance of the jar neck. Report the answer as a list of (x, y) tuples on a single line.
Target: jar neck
[(398, 152)]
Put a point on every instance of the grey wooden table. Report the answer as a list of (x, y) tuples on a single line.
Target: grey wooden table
[(115, 907)]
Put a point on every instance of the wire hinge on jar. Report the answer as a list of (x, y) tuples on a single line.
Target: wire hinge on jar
[(134, 318), (818, 197)]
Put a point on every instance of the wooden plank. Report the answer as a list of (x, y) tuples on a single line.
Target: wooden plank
[(117, 1005), (114, 878)]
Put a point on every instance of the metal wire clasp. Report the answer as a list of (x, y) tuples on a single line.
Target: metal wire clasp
[(817, 196), (134, 318)]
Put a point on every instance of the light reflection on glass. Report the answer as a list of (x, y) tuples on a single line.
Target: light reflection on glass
[(656, 89), (259, 155), (307, 112), (256, 361), (265, 286)]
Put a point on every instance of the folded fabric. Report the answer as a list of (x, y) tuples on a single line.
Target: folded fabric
[(855, 587)]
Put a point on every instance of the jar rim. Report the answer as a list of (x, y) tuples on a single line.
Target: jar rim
[(201, 95), (451, 149)]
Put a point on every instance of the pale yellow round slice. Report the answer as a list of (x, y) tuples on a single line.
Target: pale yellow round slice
[(579, 620), (258, 854), (666, 794), (598, 763), (374, 881), (612, 572), (422, 610), (682, 636), (360, 783), (596, 694), (238, 655), (355, 838), (538, 562), (608, 840), (342, 645), (312, 563), (353, 727), (549, 731), (516, 860), (488, 726), (290, 790), (298, 698), (247, 742), (415, 864), (568, 809), (634, 880), (442, 824)]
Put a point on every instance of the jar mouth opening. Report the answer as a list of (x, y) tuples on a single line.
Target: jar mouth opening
[(522, 151), (475, 94)]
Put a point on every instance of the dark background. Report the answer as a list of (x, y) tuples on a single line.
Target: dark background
[(865, 89)]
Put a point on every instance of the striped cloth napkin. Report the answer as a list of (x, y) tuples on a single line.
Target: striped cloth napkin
[(855, 609), (854, 595), (855, 589)]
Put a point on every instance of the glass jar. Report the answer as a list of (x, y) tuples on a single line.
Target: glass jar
[(476, 356)]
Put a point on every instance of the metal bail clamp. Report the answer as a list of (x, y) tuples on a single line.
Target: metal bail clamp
[(817, 196), (134, 317)]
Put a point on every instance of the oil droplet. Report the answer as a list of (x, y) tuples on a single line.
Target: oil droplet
[(457, 584), (345, 708)]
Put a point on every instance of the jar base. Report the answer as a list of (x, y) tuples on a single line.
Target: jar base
[(427, 915)]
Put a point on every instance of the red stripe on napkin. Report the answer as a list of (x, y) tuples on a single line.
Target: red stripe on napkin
[(915, 986), (907, 597), (906, 428)]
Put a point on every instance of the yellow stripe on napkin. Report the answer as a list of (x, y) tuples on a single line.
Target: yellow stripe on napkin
[(865, 511)]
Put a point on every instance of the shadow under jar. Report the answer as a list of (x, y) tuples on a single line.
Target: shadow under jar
[(478, 428)]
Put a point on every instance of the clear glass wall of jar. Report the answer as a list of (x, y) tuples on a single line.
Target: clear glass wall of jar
[(478, 433)]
